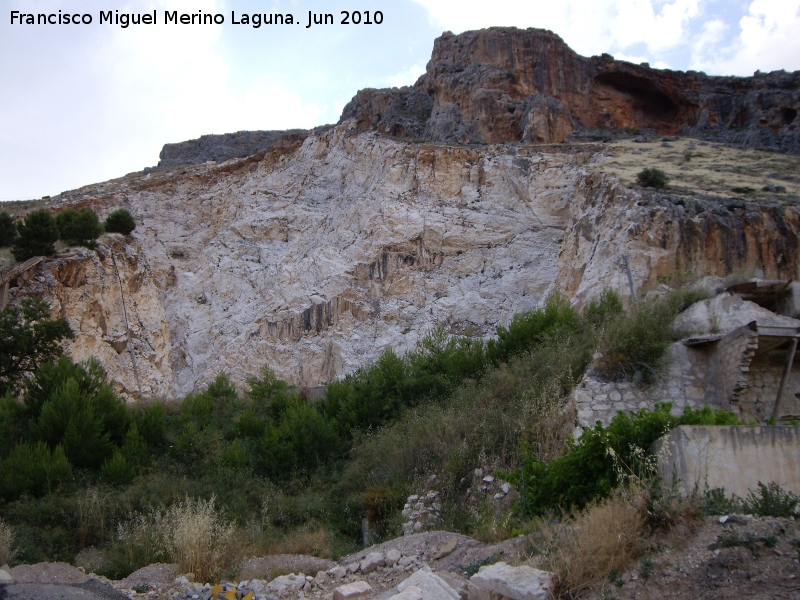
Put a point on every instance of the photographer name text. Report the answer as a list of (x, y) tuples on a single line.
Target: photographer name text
[(255, 20)]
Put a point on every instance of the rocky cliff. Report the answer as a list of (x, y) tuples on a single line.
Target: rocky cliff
[(315, 255), (509, 85), (219, 148)]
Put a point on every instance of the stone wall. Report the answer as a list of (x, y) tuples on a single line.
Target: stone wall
[(733, 458), (758, 398), (731, 364), (711, 372), (687, 382)]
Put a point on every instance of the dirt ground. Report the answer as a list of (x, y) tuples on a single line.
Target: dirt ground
[(753, 558)]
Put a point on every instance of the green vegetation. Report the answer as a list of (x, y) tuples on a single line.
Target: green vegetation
[(652, 177), (772, 501), (120, 221), (79, 227), (275, 463), (37, 235), (8, 231), (602, 459), (28, 338)]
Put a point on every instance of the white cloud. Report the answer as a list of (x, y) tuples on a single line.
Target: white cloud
[(405, 77), (588, 26), (768, 40)]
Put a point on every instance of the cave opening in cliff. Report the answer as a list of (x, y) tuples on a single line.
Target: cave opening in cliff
[(789, 115), (649, 105)]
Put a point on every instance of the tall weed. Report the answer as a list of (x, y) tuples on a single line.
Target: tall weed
[(604, 538)]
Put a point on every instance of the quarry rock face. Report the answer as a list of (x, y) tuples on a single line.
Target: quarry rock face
[(509, 85), (315, 253)]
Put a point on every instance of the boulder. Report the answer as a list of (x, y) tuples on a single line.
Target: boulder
[(337, 572), (5, 574), (412, 592), (351, 591), (517, 583), (287, 583), (372, 561), (393, 556), (431, 585), (446, 549)]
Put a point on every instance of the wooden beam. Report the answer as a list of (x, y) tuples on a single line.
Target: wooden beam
[(787, 371), (4, 296)]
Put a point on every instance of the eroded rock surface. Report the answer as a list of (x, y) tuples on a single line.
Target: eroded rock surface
[(507, 85)]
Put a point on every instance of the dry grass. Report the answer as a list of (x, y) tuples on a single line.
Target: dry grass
[(6, 540), (604, 538), (312, 540), (713, 168), (198, 537), (195, 534)]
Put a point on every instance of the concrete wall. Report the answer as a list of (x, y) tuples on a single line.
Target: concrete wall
[(733, 458)]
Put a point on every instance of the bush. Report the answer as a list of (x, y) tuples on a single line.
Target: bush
[(79, 227), (603, 459), (81, 412), (8, 231), (152, 424), (530, 328), (33, 469), (120, 221), (37, 235), (28, 338), (772, 501), (637, 341), (116, 470), (653, 178)]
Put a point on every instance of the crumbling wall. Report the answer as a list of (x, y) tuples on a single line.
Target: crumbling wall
[(731, 364), (688, 381), (713, 373), (764, 379)]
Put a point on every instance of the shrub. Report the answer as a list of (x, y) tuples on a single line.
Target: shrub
[(13, 424), (602, 459), (120, 221), (653, 178), (37, 235), (8, 231), (637, 341), (772, 501), (152, 424), (28, 338), (79, 227), (601, 311), (116, 470), (33, 469), (6, 542), (530, 328)]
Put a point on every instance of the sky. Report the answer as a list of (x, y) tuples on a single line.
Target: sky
[(81, 104)]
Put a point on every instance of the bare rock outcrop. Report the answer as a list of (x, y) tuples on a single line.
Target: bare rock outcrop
[(220, 148), (507, 85)]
